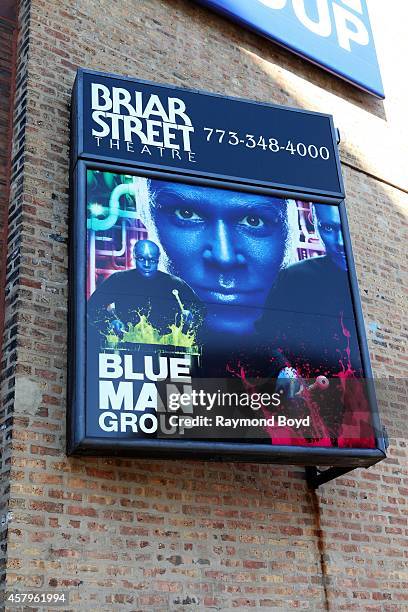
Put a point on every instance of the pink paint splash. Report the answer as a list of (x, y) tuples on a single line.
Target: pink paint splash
[(289, 436), (346, 371), (355, 430)]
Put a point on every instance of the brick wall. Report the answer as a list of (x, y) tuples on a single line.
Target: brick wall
[(8, 34), (147, 535)]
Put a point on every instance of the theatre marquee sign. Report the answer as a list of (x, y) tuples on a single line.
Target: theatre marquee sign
[(150, 125), (214, 309)]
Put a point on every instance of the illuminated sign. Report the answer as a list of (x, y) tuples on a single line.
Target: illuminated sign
[(336, 35), (212, 315)]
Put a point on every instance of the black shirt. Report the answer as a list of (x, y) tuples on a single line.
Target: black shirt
[(135, 295), (309, 313)]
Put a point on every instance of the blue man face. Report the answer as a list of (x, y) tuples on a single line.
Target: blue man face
[(328, 221), (227, 246), (146, 255)]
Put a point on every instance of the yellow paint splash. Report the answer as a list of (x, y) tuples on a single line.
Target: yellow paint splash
[(143, 332)]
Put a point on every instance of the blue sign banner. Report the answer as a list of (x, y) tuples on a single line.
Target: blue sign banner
[(148, 125), (336, 35)]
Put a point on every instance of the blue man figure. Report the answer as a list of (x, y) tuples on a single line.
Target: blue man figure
[(329, 226), (310, 303), (228, 246), (125, 296), (146, 255)]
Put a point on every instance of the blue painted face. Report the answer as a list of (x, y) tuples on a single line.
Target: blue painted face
[(227, 246), (146, 255), (328, 221)]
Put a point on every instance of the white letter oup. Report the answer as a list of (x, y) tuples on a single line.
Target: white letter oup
[(323, 26), (358, 33)]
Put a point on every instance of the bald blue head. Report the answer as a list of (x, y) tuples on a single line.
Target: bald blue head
[(146, 255)]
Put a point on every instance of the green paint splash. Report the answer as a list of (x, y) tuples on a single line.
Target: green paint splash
[(143, 332)]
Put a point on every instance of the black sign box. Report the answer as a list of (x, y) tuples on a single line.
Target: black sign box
[(134, 143), (122, 120)]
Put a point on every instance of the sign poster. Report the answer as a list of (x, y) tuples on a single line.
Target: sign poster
[(219, 314), (214, 309)]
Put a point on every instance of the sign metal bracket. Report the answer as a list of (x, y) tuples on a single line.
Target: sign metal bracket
[(316, 477)]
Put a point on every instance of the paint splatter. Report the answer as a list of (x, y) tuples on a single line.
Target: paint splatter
[(318, 436), (143, 332), (347, 394)]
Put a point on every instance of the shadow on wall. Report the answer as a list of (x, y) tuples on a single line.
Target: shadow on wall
[(273, 54)]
